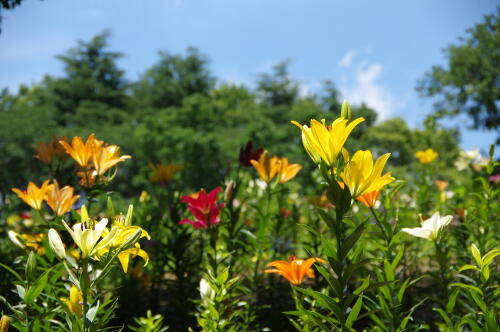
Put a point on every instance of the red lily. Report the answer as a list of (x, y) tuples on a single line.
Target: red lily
[(246, 154), (204, 208)]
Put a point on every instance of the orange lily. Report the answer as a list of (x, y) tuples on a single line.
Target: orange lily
[(46, 152), (80, 152), (287, 171), (369, 199), (266, 166), (295, 270), (33, 196), (60, 200)]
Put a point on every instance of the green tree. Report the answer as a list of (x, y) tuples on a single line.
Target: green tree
[(278, 88), (92, 81), (173, 78), (470, 83)]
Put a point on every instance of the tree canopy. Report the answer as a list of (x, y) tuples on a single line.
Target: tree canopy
[(470, 82)]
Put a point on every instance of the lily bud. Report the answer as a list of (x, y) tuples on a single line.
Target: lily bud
[(56, 244), (345, 111), (31, 267), (84, 214), (228, 193), (4, 324), (16, 239), (130, 214)]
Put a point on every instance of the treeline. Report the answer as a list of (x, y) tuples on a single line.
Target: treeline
[(179, 112)]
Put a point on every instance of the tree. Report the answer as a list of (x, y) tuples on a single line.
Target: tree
[(92, 80), (173, 78), (471, 82), (278, 88)]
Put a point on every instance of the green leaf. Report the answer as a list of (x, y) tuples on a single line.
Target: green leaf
[(476, 254), (452, 300), (351, 240), (401, 291), (353, 315), (37, 288), (465, 286), (468, 267), (445, 317), (488, 257), (11, 271)]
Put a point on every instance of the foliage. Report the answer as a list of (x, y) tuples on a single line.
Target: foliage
[(469, 84)]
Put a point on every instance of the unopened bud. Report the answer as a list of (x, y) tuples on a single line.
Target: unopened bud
[(56, 244), (4, 324), (130, 214), (84, 214), (31, 266), (16, 239), (345, 111), (228, 193)]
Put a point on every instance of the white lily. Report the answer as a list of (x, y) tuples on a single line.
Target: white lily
[(87, 238), (430, 228)]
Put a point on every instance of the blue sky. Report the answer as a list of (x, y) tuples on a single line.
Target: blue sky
[(373, 50)]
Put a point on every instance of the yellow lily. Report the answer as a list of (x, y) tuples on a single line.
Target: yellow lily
[(105, 157), (33, 196), (60, 200), (163, 174), (426, 156), (362, 176), (122, 234), (287, 171), (87, 238), (326, 142), (124, 256), (75, 301), (266, 166)]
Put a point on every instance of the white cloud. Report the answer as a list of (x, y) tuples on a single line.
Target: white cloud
[(371, 92), (346, 60)]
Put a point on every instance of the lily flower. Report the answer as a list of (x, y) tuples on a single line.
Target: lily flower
[(369, 199), (60, 200), (266, 166), (430, 228), (122, 234), (204, 209), (426, 156), (33, 196), (362, 176), (45, 152), (80, 152), (287, 171), (105, 157), (75, 301), (87, 238), (325, 142), (163, 174), (295, 270), (27, 241), (247, 154)]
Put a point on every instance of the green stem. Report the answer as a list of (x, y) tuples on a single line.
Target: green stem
[(298, 304), (85, 290), (441, 258), (383, 230)]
